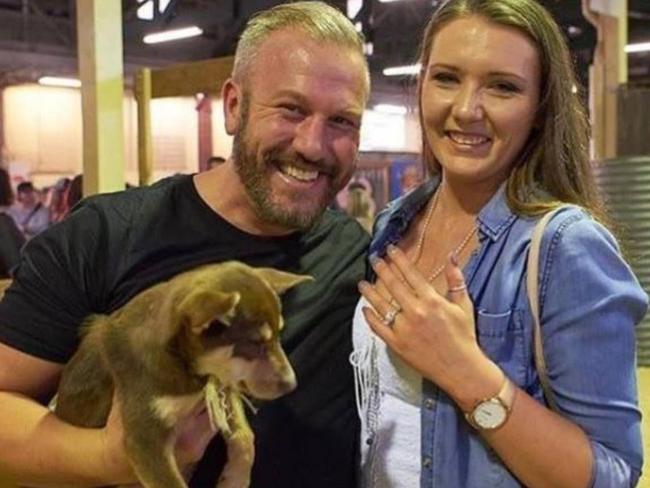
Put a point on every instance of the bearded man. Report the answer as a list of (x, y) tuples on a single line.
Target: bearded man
[(294, 104)]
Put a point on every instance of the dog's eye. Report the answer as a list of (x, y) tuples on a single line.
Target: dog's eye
[(250, 349), (216, 328)]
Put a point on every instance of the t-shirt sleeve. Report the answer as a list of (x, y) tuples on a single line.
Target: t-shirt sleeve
[(56, 286)]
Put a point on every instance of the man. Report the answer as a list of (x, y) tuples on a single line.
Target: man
[(293, 104), (30, 215)]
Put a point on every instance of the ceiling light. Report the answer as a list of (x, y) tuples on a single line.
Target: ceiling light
[(411, 69), (386, 108), (353, 8), (637, 48), (57, 81), (162, 5), (172, 35), (145, 11)]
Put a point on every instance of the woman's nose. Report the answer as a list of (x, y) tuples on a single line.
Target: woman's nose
[(468, 104)]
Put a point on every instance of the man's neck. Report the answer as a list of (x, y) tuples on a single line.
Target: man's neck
[(222, 190)]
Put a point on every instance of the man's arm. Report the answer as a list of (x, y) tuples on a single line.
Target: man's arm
[(38, 449)]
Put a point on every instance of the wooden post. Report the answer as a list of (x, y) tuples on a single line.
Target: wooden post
[(179, 80), (607, 73), (145, 146), (99, 47), (204, 113)]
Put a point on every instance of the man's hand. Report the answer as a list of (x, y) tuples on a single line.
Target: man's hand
[(193, 434)]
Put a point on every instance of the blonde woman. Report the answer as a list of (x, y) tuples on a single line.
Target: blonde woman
[(447, 388)]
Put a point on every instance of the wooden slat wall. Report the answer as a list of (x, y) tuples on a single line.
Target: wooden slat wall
[(625, 183), (633, 120)]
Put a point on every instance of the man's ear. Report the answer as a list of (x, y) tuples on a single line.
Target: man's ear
[(281, 281), (203, 305), (231, 94)]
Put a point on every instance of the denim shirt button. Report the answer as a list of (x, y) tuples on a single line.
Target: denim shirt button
[(428, 404), (427, 462), (369, 441)]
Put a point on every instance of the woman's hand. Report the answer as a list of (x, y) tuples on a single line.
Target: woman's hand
[(434, 334)]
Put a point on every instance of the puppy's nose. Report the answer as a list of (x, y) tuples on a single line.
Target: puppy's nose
[(288, 381)]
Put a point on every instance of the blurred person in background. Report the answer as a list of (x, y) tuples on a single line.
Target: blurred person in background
[(360, 205), (56, 200), (11, 239), (29, 213)]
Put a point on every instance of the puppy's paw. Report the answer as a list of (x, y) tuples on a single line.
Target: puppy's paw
[(231, 480)]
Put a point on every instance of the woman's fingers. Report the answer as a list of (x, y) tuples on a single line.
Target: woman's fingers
[(413, 277), (456, 286), (392, 281)]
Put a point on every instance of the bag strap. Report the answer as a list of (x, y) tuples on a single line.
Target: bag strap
[(36, 208), (533, 298)]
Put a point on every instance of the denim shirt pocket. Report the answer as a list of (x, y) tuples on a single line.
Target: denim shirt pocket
[(501, 337)]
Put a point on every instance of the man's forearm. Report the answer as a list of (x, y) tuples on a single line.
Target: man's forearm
[(37, 449)]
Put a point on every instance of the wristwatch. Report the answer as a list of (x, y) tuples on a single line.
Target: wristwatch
[(492, 413)]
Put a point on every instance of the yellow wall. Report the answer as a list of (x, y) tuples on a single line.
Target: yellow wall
[(43, 133)]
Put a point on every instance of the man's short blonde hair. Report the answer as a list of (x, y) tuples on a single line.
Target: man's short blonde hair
[(317, 20)]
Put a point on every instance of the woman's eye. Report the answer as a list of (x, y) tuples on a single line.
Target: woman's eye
[(506, 87), (445, 78)]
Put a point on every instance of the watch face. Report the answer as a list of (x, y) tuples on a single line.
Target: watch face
[(489, 414)]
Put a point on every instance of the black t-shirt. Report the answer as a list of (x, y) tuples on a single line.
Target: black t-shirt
[(11, 239), (114, 246)]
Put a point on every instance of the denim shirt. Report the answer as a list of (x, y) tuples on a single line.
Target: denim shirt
[(590, 302)]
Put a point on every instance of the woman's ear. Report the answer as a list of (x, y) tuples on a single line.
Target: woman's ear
[(231, 94)]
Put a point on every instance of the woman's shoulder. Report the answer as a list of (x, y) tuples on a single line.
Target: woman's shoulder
[(573, 227)]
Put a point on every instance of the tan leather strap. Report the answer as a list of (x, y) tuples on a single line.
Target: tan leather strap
[(533, 298)]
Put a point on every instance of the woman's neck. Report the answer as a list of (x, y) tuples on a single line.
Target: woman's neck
[(457, 199)]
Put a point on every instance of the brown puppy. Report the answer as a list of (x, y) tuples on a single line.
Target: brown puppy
[(4, 284), (206, 335)]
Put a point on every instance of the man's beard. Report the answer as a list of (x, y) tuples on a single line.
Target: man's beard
[(253, 175)]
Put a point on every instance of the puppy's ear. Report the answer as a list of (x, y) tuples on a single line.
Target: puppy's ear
[(281, 281), (203, 305)]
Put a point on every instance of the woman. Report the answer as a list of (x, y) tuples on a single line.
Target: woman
[(448, 391)]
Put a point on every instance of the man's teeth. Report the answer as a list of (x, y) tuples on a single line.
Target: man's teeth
[(299, 174), (467, 139)]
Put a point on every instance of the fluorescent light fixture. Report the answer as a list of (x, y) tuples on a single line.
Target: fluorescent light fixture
[(145, 11), (411, 69), (386, 108), (638, 48), (353, 8), (162, 5), (172, 35), (57, 81)]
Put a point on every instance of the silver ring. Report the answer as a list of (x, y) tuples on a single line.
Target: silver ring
[(390, 316), (456, 289)]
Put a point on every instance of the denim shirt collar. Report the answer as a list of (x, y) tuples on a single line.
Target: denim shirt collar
[(492, 221)]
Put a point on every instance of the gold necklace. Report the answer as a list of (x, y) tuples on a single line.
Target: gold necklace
[(419, 247)]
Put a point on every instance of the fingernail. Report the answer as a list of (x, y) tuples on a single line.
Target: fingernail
[(363, 285), (374, 261), (391, 249), (453, 258)]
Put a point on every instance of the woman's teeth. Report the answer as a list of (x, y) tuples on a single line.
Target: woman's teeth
[(467, 139)]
